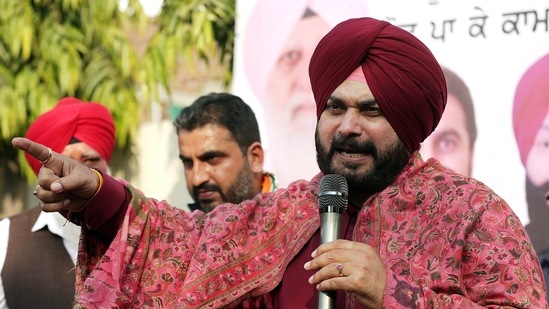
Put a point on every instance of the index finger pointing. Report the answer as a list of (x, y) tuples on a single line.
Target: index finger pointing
[(39, 151)]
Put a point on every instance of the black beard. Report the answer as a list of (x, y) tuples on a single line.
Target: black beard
[(387, 165), (538, 211), (239, 191)]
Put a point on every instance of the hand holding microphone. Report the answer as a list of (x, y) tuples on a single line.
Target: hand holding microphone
[(344, 265), (332, 201)]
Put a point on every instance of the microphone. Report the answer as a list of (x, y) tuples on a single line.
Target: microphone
[(332, 202)]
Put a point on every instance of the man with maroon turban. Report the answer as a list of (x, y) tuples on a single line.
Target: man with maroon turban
[(531, 126), (416, 234), (38, 249)]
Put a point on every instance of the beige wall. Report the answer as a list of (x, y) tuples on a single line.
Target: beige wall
[(160, 172)]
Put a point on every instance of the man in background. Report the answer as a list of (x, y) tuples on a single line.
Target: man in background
[(531, 126), (279, 41), (38, 249), (220, 147), (453, 141)]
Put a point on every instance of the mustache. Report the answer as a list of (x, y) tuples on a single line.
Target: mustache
[(349, 142), (207, 187)]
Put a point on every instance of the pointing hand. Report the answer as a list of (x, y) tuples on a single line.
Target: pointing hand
[(63, 183)]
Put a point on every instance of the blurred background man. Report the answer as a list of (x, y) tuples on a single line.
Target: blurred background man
[(531, 126), (220, 147), (453, 141), (38, 249), (279, 41)]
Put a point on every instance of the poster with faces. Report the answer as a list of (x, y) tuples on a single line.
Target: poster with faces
[(489, 46), (485, 47)]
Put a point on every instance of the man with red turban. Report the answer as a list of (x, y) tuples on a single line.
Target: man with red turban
[(531, 126), (416, 234), (38, 249)]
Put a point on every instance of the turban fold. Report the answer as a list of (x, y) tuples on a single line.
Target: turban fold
[(402, 73), (88, 122), (531, 105), (271, 23)]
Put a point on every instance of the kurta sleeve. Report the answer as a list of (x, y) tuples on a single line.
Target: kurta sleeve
[(103, 213)]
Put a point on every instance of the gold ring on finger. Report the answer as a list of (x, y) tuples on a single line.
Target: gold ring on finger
[(49, 157)]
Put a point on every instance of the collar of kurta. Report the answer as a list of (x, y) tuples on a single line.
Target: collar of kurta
[(269, 182)]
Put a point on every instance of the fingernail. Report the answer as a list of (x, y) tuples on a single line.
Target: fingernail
[(56, 187), (313, 254), (310, 279), (66, 202), (306, 266)]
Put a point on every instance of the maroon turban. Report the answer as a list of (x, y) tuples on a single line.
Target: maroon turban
[(531, 105), (402, 73), (88, 122)]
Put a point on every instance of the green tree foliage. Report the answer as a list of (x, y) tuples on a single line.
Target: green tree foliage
[(191, 28), (50, 49)]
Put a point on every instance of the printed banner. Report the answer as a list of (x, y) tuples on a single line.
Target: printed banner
[(496, 59)]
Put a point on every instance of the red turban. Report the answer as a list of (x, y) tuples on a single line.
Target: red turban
[(88, 122), (531, 105), (402, 73)]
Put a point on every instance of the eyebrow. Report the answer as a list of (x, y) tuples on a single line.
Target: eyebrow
[(338, 100), (206, 155), (448, 132), (91, 155)]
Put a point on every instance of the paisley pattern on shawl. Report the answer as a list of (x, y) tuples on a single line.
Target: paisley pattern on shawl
[(448, 241), (165, 257)]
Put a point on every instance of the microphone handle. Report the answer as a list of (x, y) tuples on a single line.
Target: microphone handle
[(329, 231)]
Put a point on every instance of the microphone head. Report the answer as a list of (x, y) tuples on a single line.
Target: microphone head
[(333, 193)]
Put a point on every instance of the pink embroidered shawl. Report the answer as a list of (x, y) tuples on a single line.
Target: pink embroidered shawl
[(165, 257), (447, 241)]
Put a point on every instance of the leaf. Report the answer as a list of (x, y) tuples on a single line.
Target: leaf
[(54, 48)]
